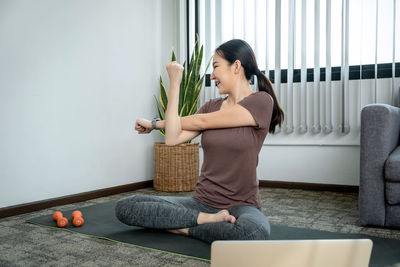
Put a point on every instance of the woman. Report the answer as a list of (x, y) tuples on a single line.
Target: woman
[(226, 204)]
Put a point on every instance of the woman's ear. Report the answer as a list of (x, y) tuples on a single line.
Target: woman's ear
[(237, 65)]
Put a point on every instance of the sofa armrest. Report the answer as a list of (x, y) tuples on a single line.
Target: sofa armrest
[(380, 127)]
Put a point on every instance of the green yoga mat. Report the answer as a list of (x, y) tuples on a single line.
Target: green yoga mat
[(100, 222)]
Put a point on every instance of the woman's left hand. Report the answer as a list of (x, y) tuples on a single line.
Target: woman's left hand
[(174, 72)]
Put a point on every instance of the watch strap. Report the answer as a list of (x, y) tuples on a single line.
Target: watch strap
[(153, 123)]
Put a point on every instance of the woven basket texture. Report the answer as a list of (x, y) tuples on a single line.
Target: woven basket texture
[(176, 168)]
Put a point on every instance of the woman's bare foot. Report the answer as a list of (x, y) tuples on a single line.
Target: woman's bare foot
[(183, 231), (221, 216)]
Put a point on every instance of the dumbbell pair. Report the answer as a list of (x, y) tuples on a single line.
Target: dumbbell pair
[(77, 219)]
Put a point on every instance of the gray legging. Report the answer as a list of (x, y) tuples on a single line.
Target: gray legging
[(181, 212)]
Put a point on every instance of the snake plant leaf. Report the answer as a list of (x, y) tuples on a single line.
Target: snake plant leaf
[(196, 96), (188, 86), (199, 85), (182, 88), (159, 109), (200, 59), (193, 110), (193, 78), (182, 112), (208, 65), (191, 85), (191, 63), (197, 90), (163, 95), (173, 57), (197, 45), (161, 113)]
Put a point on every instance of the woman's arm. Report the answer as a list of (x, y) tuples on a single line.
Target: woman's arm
[(234, 116), (173, 126), (188, 123), (144, 126)]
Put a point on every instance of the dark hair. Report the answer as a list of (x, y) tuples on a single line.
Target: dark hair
[(237, 49)]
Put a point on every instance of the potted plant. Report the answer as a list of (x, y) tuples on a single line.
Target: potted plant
[(176, 168)]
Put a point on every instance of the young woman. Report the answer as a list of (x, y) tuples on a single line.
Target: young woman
[(226, 204)]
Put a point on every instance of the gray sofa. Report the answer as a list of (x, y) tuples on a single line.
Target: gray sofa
[(379, 195)]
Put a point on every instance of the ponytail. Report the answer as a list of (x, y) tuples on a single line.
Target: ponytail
[(264, 84)]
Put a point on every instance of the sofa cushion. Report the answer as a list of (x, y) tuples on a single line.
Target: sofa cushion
[(392, 192), (393, 216), (392, 166)]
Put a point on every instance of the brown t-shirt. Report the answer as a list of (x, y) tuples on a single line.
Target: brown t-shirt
[(228, 175)]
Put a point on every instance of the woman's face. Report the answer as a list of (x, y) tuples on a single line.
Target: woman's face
[(222, 74)]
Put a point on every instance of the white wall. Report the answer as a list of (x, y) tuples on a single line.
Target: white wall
[(74, 76), (310, 164), (338, 165)]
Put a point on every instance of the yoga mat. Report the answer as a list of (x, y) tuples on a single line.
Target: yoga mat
[(100, 222)]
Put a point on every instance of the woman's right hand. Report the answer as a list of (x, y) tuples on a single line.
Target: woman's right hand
[(175, 71), (143, 126)]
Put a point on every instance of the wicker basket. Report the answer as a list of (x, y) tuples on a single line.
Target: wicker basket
[(176, 168)]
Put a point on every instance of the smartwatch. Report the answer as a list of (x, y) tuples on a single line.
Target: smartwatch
[(153, 123)]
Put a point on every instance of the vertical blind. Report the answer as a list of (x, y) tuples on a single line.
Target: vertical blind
[(322, 42)]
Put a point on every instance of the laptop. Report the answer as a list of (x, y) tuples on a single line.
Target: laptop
[(292, 253)]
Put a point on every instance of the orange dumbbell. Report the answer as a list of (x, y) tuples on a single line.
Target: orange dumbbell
[(77, 218), (61, 221), (57, 215), (76, 213), (78, 221)]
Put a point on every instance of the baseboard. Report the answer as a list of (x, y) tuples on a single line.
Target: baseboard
[(310, 186), (48, 203)]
